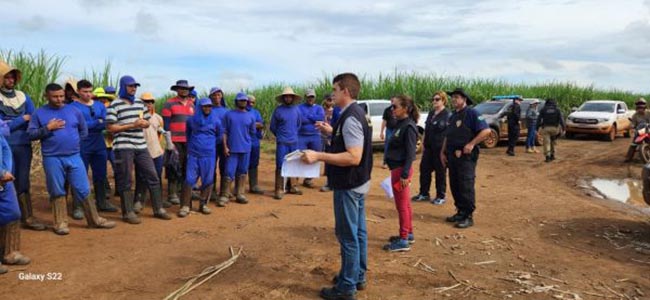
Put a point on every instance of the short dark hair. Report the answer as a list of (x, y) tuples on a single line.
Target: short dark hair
[(53, 87), (84, 84), (348, 81)]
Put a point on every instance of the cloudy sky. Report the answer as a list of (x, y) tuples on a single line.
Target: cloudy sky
[(242, 44)]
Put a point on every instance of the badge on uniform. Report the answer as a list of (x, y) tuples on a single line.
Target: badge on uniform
[(396, 134), (459, 123), (458, 153)]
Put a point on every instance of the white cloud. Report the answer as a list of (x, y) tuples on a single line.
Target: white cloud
[(248, 43)]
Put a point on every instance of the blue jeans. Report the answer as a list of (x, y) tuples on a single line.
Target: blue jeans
[(532, 135), (62, 169), (350, 229)]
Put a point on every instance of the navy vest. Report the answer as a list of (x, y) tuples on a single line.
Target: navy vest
[(345, 178)]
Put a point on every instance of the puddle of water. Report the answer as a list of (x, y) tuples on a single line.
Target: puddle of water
[(623, 190)]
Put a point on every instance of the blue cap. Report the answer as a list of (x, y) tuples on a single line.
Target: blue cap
[(241, 96), (214, 90), (193, 93), (110, 89), (205, 102), (128, 80)]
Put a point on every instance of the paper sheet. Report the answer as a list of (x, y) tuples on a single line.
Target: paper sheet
[(293, 166), (387, 187)]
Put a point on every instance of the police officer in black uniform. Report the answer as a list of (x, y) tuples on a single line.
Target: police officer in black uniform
[(460, 152), (513, 125)]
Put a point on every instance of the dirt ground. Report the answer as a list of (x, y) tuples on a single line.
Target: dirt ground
[(537, 236)]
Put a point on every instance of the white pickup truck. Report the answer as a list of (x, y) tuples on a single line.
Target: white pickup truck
[(375, 110), (602, 117)]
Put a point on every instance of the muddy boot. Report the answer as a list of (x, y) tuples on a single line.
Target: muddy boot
[(186, 201), (26, 216), (214, 194), (60, 212), (107, 189), (156, 203), (293, 188), (77, 210), (103, 204), (11, 240), (126, 201), (278, 193), (239, 189), (308, 183), (225, 187), (172, 192), (630, 154), (252, 182), (205, 197), (92, 216)]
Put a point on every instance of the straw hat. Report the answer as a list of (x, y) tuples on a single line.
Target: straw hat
[(146, 96), (288, 91), (6, 69), (101, 93), (72, 83)]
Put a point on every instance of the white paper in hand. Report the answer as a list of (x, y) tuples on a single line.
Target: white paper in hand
[(293, 166), (387, 187)]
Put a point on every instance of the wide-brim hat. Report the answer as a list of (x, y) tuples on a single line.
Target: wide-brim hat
[(461, 92), (182, 84), (288, 91), (72, 83), (536, 101), (5, 69), (101, 93), (640, 102), (147, 96)]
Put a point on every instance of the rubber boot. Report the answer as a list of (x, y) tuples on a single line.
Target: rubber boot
[(186, 201), (278, 193), (92, 216), (292, 187), (308, 183), (630, 154), (140, 196), (225, 187), (11, 241), (60, 212), (26, 215), (214, 195), (157, 205), (205, 197), (126, 201), (172, 192), (252, 182), (107, 189), (103, 204), (239, 189)]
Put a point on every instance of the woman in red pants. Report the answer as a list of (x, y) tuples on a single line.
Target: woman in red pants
[(399, 157)]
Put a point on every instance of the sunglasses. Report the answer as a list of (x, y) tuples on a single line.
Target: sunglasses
[(149, 102), (436, 99), (394, 107)]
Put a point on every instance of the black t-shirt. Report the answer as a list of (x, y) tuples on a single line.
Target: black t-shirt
[(391, 121)]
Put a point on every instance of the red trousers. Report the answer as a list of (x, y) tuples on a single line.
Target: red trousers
[(402, 202)]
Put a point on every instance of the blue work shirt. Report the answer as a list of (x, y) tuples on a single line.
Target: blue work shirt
[(202, 132), (239, 127), (309, 115), (61, 142), (95, 116), (258, 132), (285, 123)]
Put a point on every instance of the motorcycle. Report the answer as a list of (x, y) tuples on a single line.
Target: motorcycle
[(642, 140)]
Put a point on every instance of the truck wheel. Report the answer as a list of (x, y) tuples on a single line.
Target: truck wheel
[(628, 133), (611, 136), (492, 139)]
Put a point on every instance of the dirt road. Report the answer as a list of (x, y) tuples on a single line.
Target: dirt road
[(536, 236)]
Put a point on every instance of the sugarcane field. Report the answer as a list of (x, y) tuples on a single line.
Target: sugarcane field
[(339, 151)]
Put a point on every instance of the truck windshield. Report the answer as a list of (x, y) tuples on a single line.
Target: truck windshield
[(490, 107), (597, 107)]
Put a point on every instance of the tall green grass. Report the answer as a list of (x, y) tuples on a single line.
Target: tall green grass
[(38, 69)]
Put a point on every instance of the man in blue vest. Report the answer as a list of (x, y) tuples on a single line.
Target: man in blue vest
[(466, 130), (349, 163)]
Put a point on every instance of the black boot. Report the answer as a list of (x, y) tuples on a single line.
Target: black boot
[(156, 203), (466, 222), (103, 204), (126, 201)]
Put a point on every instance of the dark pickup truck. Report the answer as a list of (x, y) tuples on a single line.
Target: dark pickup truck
[(494, 111)]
